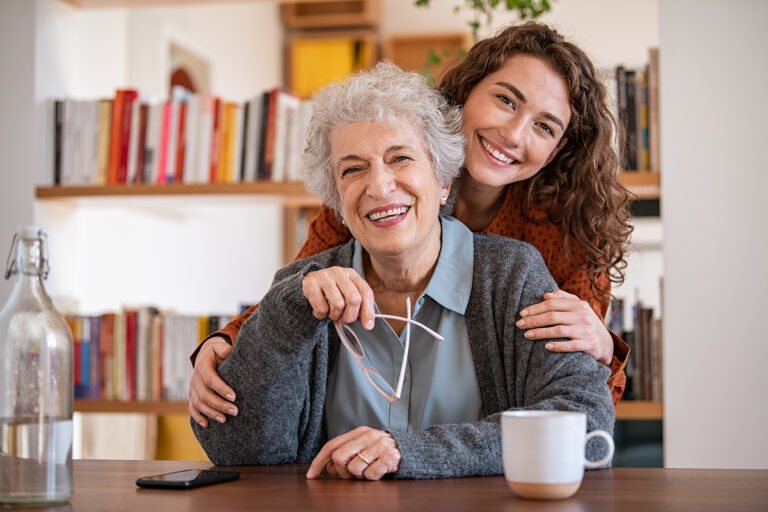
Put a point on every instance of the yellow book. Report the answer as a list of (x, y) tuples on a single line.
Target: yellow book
[(105, 130), (315, 62)]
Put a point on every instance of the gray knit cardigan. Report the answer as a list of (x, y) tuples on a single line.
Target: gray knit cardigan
[(282, 357)]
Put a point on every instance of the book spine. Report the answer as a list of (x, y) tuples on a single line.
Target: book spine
[(58, 120)]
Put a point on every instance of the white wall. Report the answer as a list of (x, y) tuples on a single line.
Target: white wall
[(611, 31), (241, 41), (104, 252), (714, 110), (17, 137)]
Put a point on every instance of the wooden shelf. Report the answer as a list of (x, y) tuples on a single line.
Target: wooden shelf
[(162, 407), (625, 410), (643, 184), (639, 410), (288, 190)]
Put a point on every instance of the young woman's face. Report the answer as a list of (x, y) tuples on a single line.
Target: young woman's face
[(514, 120)]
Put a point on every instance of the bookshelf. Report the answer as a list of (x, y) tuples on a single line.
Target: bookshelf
[(645, 185)]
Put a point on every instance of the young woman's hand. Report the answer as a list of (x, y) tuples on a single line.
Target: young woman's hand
[(339, 294), (363, 453), (206, 388), (564, 315)]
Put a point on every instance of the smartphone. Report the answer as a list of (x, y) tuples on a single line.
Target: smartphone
[(187, 479)]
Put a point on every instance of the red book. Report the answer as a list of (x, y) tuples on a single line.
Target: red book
[(180, 143), (130, 353), (114, 136), (141, 146), (165, 135), (107, 333), (129, 98), (215, 136), (269, 145)]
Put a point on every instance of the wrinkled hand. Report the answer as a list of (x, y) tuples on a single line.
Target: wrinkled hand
[(206, 388), (339, 294), (564, 315), (339, 455)]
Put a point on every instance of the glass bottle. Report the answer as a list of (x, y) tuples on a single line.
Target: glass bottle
[(36, 382)]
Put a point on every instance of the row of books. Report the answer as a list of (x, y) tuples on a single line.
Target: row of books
[(636, 105), (191, 138), (136, 354), (644, 367)]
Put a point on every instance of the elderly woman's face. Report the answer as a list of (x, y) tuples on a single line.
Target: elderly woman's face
[(390, 197)]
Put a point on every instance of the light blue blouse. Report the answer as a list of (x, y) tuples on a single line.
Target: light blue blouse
[(440, 383)]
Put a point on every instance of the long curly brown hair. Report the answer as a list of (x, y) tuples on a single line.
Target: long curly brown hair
[(579, 189)]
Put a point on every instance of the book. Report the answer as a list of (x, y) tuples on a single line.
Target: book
[(654, 137), (261, 169), (132, 158), (58, 120), (251, 138), (105, 123), (141, 145), (215, 140), (204, 133), (164, 144), (641, 113), (124, 136), (191, 141)]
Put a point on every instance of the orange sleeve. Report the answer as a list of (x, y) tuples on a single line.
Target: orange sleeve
[(577, 283), (325, 231)]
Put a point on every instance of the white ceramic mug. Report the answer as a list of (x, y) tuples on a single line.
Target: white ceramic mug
[(543, 452)]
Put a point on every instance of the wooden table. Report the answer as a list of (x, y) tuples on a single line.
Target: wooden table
[(110, 485)]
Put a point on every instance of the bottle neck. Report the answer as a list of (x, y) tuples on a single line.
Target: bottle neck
[(28, 268)]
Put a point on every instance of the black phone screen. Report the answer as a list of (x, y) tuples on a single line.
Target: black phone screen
[(187, 479)]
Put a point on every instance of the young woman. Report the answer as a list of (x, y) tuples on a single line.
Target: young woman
[(540, 167)]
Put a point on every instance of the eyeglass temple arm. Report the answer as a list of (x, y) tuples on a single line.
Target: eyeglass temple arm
[(414, 322), (399, 388)]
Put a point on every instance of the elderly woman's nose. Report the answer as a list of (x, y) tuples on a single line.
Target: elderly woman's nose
[(381, 180)]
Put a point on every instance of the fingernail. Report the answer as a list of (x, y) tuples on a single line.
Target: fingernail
[(233, 411), (520, 323), (369, 324), (202, 424), (230, 397), (220, 419), (528, 334), (524, 312), (549, 346)]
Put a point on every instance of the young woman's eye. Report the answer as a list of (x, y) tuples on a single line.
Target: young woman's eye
[(546, 128), (506, 100)]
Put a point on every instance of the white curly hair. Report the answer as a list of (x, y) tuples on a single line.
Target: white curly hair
[(384, 93)]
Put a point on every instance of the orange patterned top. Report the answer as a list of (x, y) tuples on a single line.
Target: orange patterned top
[(326, 231)]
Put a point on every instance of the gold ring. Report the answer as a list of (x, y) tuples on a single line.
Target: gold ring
[(364, 459)]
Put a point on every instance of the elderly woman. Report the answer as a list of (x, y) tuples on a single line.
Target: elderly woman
[(391, 397)]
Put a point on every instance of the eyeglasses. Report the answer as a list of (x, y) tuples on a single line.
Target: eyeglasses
[(356, 350)]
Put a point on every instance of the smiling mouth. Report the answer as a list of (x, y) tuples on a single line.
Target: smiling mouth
[(385, 215), (495, 153)]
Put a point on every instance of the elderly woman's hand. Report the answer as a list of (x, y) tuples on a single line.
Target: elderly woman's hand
[(339, 294), (363, 453), (564, 315), (206, 388)]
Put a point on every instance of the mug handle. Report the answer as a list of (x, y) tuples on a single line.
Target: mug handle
[(608, 439)]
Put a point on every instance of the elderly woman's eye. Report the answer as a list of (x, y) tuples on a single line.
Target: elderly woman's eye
[(349, 170), (402, 159)]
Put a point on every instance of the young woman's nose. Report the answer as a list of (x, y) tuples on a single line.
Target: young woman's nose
[(381, 180), (513, 131)]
